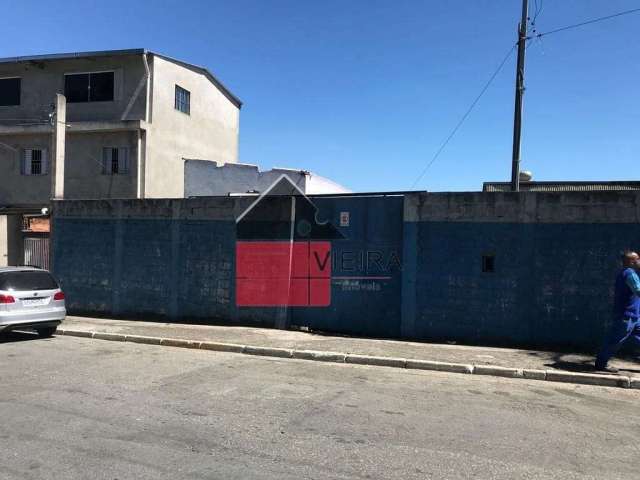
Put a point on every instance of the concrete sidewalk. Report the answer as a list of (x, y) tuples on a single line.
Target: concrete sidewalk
[(533, 364)]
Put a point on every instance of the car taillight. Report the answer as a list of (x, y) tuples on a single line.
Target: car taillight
[(59, 296), (7, 299)]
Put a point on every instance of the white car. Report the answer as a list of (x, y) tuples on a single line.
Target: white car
[(30, 298)]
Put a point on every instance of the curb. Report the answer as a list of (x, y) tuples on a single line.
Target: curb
[(114, 337), (268, 351), (377, 361), (439, 366), (176, 342), (497, 371), (590, 379), (222, 347), (617, 381), (320, 356), (534, 374)]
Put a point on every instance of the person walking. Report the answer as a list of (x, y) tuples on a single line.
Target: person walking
[(626, 312)]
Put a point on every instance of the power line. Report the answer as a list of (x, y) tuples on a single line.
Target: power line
[(22, 119), (581, 24), (538, 10), (464, 117)]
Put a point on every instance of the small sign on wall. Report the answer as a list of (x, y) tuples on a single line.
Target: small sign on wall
[(344, 219)]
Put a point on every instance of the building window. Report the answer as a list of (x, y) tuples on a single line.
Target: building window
[(488, 263), (183, 100), (34, 162), (89, 87), (9, 92), (115, 160)]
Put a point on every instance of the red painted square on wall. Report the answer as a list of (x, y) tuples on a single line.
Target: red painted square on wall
[(282, 273)]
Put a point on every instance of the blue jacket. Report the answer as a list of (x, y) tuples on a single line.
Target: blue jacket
[(626, 303)]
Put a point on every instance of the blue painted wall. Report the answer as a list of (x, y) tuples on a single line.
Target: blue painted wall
[(83, 260), (552, 284), (366, 268), (139, 268), (206, 269)]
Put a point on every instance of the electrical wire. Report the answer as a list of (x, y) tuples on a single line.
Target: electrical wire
[(538, 9), (464, 117), (581, 24), (22, 119)]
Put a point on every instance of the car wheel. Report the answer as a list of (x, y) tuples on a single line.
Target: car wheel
[(46, 332)]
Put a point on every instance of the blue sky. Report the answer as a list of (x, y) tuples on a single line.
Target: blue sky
[(364, 92)]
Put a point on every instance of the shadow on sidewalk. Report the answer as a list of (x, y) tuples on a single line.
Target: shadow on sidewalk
[(560, 363), (586, 365)]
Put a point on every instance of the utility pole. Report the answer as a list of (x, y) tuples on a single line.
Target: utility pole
[(517, 115)]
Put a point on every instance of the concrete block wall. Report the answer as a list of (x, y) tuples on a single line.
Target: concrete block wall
[(146, 259), (84, 261), (556, 256)]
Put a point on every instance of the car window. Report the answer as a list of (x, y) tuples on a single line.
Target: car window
[(27, 280)]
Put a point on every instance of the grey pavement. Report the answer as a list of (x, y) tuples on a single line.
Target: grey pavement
[(77, 408), (264, 337)]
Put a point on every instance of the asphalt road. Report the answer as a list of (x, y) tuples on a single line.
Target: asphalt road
[(74, 408)]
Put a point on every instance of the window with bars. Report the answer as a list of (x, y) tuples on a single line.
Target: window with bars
[(183, 100), (115, 160), (34, 162)]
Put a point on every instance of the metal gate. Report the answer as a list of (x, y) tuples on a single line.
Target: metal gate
[(36, 252)]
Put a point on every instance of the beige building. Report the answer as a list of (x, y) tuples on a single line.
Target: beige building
[(132, 116)]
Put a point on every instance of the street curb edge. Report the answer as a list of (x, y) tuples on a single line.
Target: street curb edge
[(615, 381)]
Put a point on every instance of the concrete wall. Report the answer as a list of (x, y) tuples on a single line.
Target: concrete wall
[(14, 187), (209, 178), (556, 256), (11, 248), (209, 131), (83, 171), (42, 80), (161, 258), (524, 207), (83, 168)]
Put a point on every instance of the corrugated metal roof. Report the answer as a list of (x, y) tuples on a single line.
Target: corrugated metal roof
[(563, 186), (134, 51)]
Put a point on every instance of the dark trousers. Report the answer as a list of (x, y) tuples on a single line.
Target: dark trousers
[(621, 331)]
